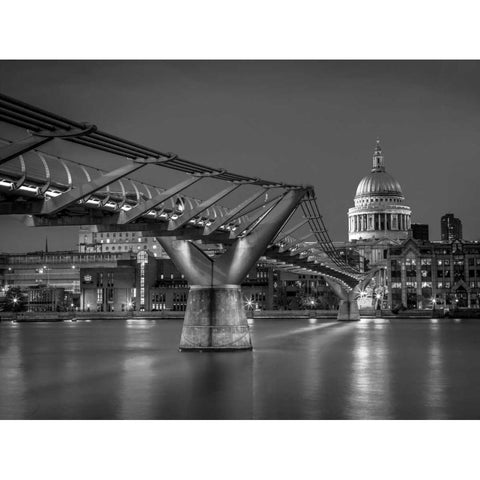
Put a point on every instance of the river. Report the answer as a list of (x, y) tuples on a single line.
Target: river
[(299, 369)]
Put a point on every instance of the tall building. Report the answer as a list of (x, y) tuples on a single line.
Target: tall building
[(451, 228)]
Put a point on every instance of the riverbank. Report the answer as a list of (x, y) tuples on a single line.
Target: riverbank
[(259, 314)]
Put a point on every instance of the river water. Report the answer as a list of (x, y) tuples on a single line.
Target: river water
[(299, 369)]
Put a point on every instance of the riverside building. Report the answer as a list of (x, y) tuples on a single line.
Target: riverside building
[(428, 275)]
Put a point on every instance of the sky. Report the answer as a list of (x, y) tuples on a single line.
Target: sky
[(302, 122)]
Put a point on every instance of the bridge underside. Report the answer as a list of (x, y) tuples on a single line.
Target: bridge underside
[(48, 190)]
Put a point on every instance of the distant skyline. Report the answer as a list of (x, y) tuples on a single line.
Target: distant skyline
[(310, 122)]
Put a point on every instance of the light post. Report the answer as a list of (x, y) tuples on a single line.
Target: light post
[(250, 307), (378, 301)]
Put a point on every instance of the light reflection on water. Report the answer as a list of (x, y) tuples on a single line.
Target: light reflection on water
[(435, 397), (369, 381), (299, 369)]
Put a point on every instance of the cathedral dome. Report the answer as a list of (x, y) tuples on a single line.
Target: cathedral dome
[(379, 211), (378, 183)]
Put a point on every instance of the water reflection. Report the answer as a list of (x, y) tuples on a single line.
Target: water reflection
[(435, 391), (11, 374), (369, 395), (299, 369)]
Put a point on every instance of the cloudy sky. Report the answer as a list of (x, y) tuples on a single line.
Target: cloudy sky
[(312, 122)]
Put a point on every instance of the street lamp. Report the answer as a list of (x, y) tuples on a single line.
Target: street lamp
[(250, 306)]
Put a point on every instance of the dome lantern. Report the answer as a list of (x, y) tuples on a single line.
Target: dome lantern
[(378, 165)]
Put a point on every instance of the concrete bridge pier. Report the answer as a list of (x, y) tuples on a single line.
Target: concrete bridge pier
[(215, 318), (348, 309)]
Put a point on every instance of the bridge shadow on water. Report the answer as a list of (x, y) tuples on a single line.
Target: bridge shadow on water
[(299, 369)]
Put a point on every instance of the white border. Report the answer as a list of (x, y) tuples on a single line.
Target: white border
[(251, 29), (237, 30)]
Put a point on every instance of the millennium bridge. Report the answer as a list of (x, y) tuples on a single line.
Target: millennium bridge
[(278, 222)]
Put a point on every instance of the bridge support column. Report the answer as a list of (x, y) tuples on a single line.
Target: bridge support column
[(215, 318), (348, 309)]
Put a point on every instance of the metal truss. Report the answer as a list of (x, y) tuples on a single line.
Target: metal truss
[(78, 194)]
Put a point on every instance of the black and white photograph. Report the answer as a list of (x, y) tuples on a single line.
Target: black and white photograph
[(239, 239)]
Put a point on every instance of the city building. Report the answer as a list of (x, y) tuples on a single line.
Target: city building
[(434, 275), (91, 241), (53, 269), (379, 219), (115, 282), (43, 298), (51, 280), (420, 231), (450, 228)]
